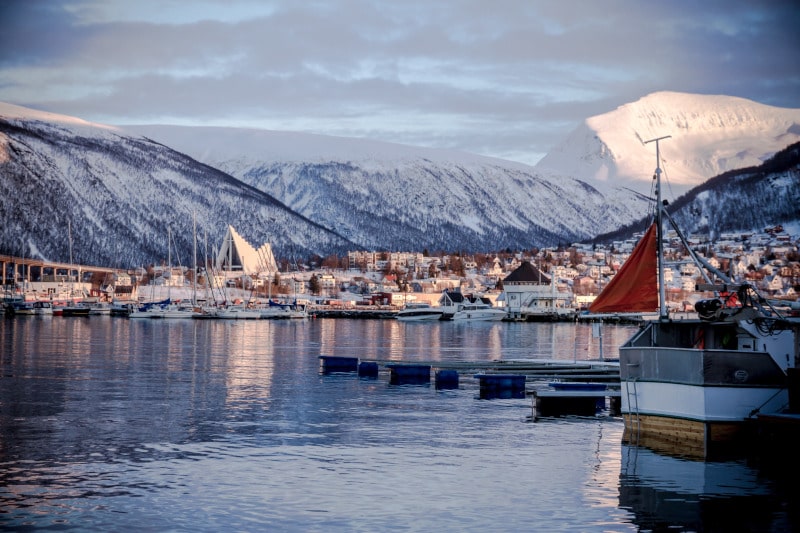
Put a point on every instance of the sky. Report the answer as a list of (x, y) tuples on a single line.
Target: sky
[(507, 78)]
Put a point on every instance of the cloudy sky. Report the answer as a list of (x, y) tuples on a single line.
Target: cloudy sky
[(506, 78)]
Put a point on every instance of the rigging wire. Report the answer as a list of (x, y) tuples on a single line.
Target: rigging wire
[(666, 177)]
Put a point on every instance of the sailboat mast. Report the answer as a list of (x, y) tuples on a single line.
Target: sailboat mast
[(662, 301), (194, 259)]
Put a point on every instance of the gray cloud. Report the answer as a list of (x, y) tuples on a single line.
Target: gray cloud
[(508, 80)]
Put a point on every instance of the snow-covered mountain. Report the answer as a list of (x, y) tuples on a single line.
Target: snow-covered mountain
[(709, 135), (123, 188), (123, 192), (123, 196), (390, 196)]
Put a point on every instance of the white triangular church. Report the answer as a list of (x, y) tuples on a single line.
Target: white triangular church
[(238, 255)]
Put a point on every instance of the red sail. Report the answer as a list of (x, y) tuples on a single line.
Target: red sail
[(635, 287)]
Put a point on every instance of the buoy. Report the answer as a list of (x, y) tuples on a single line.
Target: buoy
[(368, 369), (446, 379), (332, 363)]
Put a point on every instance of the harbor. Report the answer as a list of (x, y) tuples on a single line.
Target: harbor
[(157, 424)]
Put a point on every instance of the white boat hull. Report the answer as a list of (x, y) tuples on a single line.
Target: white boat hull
[(276, 313), (700, 403), (164, 313), (238, 314), (482, 315), (420, 316)]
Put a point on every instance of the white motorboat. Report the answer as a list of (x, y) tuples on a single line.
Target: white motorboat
[(42, 308), (419, 311), (479, 311)]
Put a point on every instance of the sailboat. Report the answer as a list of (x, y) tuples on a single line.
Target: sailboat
[(698, 386), (73, 308), (165, 308)]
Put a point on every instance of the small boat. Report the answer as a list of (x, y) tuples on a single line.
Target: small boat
[(121, 308), (419, 311), (163, 309), (99, 308), (237, 312), (21, 308), (277, 311), (42, 308), (75, 309), (479, 311), (697, 386)]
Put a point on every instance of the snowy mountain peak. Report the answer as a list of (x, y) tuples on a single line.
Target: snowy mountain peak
[(13, 112), (710, 135)]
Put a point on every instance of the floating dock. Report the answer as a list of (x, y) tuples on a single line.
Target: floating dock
[(578, 402)]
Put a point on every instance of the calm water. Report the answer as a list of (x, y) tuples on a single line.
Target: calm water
[(110, 424)]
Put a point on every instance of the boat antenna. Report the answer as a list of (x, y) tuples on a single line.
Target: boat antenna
[(662, 305)]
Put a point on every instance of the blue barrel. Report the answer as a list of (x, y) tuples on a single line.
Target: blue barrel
[(331, 363), (368, 369), (409, 374), (446, 379), (501, 386)]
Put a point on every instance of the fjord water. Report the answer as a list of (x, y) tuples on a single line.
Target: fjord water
[(109, 424)]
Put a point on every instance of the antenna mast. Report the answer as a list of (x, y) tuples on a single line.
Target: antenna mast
[(662, 302)]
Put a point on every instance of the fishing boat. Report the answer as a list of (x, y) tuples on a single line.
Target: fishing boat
[(697, 386), (419, 311)]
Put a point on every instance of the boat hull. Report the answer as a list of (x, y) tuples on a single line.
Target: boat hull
[(75, 311), (479, 316), (419, 316), (694, 401)]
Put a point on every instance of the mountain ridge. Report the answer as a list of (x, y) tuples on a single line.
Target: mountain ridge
[(122, 187)]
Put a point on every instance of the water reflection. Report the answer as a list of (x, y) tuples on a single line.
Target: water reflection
[(113, 424), (680, 494), (447, 341)]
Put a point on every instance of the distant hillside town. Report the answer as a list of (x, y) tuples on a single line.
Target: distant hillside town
[(546, 283)]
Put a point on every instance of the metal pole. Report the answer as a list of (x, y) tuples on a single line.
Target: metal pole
[(662, 311)]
